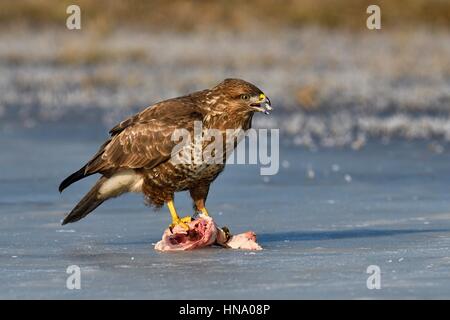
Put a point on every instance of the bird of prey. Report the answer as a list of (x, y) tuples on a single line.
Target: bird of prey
[(137, 157)]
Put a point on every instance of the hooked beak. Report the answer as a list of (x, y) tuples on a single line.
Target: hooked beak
[(263, 105)]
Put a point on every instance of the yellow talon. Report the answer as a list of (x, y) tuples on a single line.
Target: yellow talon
[(183, 222), (180, 223), (205, 212), (186, 219)]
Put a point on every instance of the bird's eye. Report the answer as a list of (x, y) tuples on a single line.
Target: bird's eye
[(245, 97)]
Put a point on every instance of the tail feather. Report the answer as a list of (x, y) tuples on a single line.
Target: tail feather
[(86, 205), (74, 177)]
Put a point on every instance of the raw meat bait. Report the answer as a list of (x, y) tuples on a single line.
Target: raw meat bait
[(203, 232)]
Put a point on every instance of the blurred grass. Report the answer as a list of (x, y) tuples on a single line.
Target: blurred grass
[(188, 15), (95, 53)]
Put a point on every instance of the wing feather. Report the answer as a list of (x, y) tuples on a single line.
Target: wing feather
[(144, 140)]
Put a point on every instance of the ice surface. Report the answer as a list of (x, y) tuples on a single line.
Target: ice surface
[(319, 233)]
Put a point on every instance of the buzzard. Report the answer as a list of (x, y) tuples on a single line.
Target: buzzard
[(137, 157)]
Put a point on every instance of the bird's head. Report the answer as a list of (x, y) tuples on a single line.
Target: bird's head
[(242, 96)]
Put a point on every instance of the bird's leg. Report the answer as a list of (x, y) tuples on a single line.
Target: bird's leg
[(200, 206), (176, 219)]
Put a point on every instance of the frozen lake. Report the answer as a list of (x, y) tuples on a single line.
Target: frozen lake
[(322, 220)]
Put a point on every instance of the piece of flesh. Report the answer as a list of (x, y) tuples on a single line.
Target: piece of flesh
[(203, 232)]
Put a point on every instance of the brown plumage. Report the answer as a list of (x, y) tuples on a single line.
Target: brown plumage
[(137, 156)]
